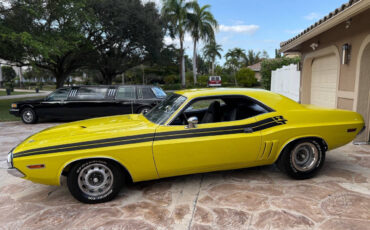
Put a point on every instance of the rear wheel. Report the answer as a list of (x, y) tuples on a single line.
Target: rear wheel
[(94, 181), (28, 116), (302, 160)]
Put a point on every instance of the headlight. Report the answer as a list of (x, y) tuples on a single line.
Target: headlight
[(10, 160), (14, 106)]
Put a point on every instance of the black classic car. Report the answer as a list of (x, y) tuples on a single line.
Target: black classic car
[(81, 102)]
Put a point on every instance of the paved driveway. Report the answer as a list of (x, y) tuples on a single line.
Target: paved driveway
[(258, 198)]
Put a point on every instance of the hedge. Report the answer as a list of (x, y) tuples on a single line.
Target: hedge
[(269, 65)]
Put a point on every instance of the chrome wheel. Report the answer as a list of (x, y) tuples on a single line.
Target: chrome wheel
[(27, 116), (95, 179), (304, 156)]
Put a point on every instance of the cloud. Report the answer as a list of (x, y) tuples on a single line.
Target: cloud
[(248, 29), (312, 16)]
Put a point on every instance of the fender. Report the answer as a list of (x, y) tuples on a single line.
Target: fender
[(60, 172), (295, 139)]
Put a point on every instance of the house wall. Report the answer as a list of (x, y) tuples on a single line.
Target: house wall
[(258, 76), (329, 43)]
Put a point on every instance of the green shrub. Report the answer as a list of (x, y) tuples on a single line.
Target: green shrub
[(245, 77), (8, 73), (171, 79), (269, 65), (176, 86)]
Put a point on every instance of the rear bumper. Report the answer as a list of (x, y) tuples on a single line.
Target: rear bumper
[(214, 85), (14, 112)]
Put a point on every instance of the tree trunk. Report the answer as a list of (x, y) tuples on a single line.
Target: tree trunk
[(213, 68), (60, 78), (182, 64), (236, 83), (195, 62)]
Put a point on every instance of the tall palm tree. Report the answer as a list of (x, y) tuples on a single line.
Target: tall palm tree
[(176, 12), (212, 51), (235, 59), (201, 24)]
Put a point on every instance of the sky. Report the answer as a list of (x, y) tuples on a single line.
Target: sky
[(261, 24)]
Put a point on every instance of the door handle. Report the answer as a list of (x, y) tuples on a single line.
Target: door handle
[(248, 130)]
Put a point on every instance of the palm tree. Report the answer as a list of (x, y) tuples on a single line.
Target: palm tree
[(176, 12), (201, 24), (212, 51), (235, 59)]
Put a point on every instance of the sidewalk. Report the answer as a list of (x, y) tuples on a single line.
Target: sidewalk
[(31, 94)]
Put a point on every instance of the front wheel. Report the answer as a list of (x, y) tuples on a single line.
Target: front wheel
[(28, 116), (94, 181), (302, 160)]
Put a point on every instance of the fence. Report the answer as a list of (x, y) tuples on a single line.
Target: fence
[(286, 81)]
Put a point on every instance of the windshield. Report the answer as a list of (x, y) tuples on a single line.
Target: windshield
[(165, 109)]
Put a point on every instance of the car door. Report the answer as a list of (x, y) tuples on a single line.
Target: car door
[(219, 145), (87, 102), (54, 104)]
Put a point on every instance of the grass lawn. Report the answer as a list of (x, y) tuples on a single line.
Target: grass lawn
[(5, 106), (3, 93)]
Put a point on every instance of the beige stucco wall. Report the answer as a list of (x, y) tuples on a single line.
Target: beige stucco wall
[(331, 42)]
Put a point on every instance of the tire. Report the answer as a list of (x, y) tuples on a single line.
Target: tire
[(28, 116), (144, 110), (94, 181), (302, 160)]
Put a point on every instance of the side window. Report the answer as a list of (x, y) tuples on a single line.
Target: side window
[(91, 93), (226, 108), (144, 93), (59, 95), (126, 93)]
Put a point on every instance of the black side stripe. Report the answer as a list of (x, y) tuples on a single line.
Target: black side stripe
[(109, 144), (91, 142), (257, 126)]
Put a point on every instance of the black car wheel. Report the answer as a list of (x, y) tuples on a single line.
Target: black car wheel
[(28, 116), (94, 181), (144, 110), (302, 160)]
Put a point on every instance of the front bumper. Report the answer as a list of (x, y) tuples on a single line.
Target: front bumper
[(11, 170), (14, 112)]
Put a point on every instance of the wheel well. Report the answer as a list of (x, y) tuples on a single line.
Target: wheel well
[(143, 106), (122, 168), (322, 143)]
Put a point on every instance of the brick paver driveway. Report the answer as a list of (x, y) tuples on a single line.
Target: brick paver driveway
[(257, 198)]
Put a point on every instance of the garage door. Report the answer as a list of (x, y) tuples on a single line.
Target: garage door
[(324, 81)]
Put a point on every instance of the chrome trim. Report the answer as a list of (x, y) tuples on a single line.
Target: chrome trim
[(9, 160), (15, 172)]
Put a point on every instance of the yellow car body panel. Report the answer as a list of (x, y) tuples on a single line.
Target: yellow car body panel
[(150, 151)]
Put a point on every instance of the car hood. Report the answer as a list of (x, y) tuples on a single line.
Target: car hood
[(88, 130), (31, 101)]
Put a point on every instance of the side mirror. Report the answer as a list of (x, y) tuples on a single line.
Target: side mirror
[(192, 123)]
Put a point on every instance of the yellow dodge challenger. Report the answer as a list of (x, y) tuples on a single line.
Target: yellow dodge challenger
[(191, 131)]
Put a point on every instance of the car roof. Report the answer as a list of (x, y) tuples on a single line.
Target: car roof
[(143, 86), (271, 99)]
